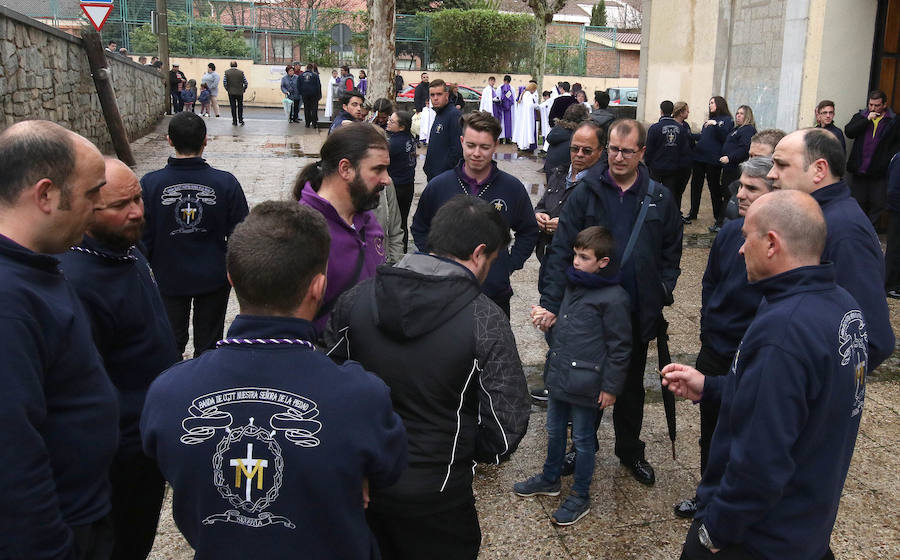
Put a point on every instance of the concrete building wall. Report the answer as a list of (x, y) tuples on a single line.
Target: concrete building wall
[(778, 56), (44, 74)]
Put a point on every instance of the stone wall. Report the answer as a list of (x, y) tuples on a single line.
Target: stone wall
[(44, 74)]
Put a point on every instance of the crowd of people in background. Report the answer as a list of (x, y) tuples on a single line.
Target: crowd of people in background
[(331, 288)]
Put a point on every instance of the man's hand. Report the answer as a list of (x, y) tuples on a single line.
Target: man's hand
[(684, 381), (365, 490), (606, 399), (873, 115), (723, 160), (541, 318), (542, 219), (552, 225)]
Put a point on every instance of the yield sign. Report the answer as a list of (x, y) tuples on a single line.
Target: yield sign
[(97, 12)]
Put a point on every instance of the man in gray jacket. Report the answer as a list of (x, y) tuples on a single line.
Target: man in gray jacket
[(235, 83)]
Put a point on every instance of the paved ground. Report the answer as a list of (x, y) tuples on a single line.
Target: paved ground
[(627, 520)]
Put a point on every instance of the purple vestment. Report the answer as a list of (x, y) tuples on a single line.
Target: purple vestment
[(506, 104)]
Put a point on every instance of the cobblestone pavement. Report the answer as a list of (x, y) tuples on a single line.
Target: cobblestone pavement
[(627, 520)]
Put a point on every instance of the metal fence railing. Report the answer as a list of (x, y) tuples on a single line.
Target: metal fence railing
[(284, 33)]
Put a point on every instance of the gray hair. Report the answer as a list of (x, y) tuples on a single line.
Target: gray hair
[(758, 168)]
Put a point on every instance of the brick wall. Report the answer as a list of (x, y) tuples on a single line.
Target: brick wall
[(44, 74)]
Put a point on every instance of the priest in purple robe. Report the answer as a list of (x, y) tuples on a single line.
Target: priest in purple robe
[(507, 101)]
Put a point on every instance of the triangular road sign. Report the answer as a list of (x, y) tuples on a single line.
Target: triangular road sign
[(97, 13)]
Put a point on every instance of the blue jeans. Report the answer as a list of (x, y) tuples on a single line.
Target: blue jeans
[(583, 436)]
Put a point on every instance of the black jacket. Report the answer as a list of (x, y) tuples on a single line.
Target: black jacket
[(654, 265), (737, 146), (887, 146), (559, 140), (559, 106), (551, 203), (590, 344), (310, 86), (668, 146), (444, 147), (448, 354), (420, 97)]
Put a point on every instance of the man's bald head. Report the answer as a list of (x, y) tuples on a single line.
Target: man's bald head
[(119, 218), (796, 218)]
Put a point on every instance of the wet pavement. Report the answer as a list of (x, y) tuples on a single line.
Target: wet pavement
[(627, 519)]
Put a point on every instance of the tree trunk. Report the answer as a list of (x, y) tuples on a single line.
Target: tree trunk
[(539, 58), (382, 58)]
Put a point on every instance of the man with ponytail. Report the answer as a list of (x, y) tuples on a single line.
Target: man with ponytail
[(344, 186)]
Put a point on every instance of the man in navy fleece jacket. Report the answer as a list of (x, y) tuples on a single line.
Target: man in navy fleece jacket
[(791, 403), (59, 414), (812, 160), (268, 445)]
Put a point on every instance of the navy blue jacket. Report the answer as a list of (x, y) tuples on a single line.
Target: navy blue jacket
[(309, 85), (711, 139), (402, 149), (339, 120), (650, 274), (838, 133), (444, 147), (590, 343), (790, 410), (509, 196), (737, 145), (129, 322), (729, 301), (190, 209), (853, 247), (893, 184), (668, 146), (267, 446), (59, 412), (559, 140)]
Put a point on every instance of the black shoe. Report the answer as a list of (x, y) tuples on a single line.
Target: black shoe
[(642, 471), (242, 123), (540, 394), (714, 228), (686, 508), (685, 220), (895, 294), (569, 464), (233, 123)]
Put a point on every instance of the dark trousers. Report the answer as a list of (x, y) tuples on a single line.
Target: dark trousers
[(177, 103), (673, 179), (628, 413), (209, 318), (94, 541), (870, 193), (892, 253), (237, 108), (693, 550), (713, 175), (712, 364), (503, 302), (452, 534), (137, 495), (311, 111), (295, 109), (404, 201)]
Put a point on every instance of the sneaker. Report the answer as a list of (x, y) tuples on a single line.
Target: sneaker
[(540, 394), (895, 294), (571, 510), (536, 485), (686, 220), (714, 228)]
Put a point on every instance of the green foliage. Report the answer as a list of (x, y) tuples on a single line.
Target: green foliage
[(203, 37), (482, 40), (417, 6), (493, 5), (598, 14), (565, 56)]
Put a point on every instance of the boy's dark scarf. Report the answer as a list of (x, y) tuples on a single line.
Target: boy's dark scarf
[(608, 276)]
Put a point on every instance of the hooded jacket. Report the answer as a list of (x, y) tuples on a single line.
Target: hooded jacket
[(590, 343), (650, 274), (448, 354)]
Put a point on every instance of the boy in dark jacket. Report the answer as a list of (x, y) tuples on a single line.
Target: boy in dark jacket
[(590, 349)]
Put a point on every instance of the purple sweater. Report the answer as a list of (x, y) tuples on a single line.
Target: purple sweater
[(346, 242)]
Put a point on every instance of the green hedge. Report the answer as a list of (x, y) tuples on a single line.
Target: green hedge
[(482, 40)]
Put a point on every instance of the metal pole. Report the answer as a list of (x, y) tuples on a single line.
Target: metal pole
[(162, 26), (101, 74)]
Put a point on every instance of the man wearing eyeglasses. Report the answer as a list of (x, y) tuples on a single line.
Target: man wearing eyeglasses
[(612, 195)]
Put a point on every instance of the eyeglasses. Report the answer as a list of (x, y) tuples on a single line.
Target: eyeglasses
[(583, 149), (626, 152)]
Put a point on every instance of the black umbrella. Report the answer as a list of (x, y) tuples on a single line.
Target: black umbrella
[(665, 358)]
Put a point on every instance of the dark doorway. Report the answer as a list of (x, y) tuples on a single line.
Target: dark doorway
[(886, 52)]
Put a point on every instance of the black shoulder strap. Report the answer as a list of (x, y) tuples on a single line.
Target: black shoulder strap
[(636, 230)]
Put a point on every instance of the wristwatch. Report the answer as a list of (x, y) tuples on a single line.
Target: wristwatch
[(703, 535)]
